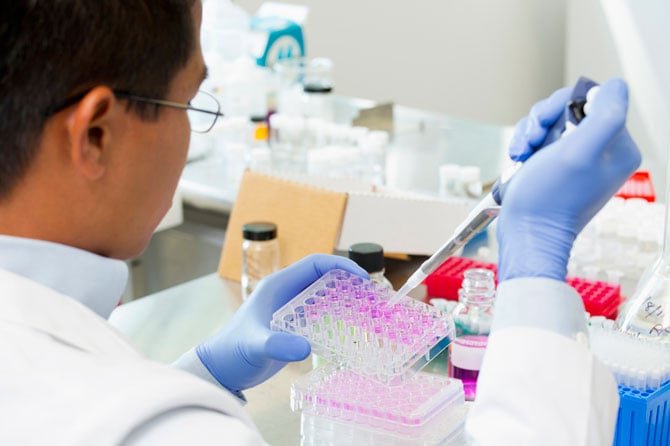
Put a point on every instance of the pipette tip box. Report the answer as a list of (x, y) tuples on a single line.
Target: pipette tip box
[(446, 280), (341, 407), (639, 185), (600, 298), (641, 367), (348, 322)]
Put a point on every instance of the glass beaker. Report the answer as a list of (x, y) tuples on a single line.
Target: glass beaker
[(647, 312)]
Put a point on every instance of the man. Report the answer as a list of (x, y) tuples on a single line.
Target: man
[(94, 127), (91, 156)]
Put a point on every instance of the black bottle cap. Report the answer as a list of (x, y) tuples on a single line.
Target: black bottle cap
[(369, 256), (259, 231), (311, 88)]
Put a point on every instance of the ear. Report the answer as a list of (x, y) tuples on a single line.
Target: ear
[(89, 128)]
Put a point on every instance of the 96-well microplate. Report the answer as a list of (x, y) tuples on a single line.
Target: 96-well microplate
[(348, 321), (424, 407)]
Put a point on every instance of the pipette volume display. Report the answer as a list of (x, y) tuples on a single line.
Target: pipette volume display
[(487, 209), (349, 322)]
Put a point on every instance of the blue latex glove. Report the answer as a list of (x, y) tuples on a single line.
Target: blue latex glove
[(563, 185), (246, 352)]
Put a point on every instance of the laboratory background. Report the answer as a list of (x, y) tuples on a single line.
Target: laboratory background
[(372, 129)]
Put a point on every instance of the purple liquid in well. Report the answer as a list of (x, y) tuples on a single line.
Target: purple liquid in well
[(469, 378)]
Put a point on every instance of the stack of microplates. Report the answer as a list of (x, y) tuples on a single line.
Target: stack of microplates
[(372, 392), (641, 367)]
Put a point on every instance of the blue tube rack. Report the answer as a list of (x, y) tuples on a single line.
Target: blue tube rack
[(644, 417)]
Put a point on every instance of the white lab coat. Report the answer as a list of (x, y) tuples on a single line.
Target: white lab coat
[(68, 378), (578, 401)]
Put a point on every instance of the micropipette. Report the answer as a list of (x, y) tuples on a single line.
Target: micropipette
[(488, 209)]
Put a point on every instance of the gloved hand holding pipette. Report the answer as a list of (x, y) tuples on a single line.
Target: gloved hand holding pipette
[(548, 121), (562, 186), (539, 325)]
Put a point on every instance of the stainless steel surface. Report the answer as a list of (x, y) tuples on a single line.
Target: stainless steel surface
[(178, 254)]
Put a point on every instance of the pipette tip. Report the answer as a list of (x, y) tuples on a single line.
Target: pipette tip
[(414, 280)]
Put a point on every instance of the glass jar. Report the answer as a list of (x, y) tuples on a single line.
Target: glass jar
[(260, 254), (370, 257), (473, 316), (474, 313)]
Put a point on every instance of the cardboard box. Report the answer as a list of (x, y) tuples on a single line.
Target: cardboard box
[(312, 219), (401, 223)]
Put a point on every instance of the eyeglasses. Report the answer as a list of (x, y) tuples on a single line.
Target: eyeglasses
[(203, 110)]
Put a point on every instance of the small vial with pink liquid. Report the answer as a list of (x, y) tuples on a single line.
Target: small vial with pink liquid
[(465, 360)]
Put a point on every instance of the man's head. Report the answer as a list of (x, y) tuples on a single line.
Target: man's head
[(53, 50)]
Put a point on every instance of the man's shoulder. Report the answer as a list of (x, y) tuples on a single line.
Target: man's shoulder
[(77, 379)]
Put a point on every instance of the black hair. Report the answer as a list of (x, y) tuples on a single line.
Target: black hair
[(51, 50)]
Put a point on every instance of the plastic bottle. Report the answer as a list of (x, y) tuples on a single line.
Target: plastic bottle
[(318, 88), (260, 254), (370, 257)]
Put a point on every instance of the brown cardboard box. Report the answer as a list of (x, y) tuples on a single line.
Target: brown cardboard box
[(312, 219), (308, 219)]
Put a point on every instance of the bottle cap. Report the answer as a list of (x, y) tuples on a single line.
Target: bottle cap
[(318, 76), (369, 256), (259, 231), (467, 352)]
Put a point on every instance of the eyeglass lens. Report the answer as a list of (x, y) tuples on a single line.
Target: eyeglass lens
[(203, 122)]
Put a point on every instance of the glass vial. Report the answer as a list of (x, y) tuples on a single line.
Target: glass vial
[(474, 313), (260, 254), (472, 316), (370, 257)]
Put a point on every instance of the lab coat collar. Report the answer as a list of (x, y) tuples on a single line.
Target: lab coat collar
[(95, 281)]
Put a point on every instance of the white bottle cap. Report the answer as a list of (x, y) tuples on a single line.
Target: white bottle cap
[(467, 352)]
